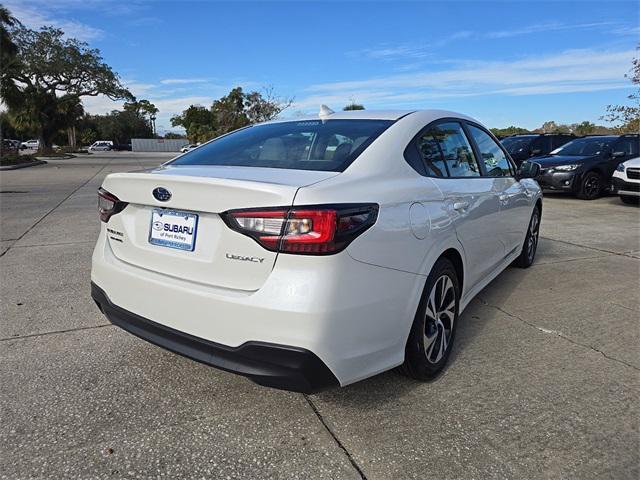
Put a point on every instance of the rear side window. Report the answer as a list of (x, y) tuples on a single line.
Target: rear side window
[(431, 154), (627, 145), (329, 145), (495, 161), (446, 152), (543, 144), (560, 140), (516, 144)]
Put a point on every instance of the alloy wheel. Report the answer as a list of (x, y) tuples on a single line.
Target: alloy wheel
[(592, 186), (440, 315)]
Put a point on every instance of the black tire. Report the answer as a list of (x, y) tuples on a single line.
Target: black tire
[(630, 200), (530, 246), (591, 186), (421, 360)]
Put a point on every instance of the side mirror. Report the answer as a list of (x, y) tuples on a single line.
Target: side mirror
[(528, 170), (618, 154), (536, 151)]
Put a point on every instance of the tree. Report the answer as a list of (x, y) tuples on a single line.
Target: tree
[(229, 112), (88, 136), (193, 119), (173, 136), (143, 109), (353, 106), (8, 128), (505, 132), (235, 110), (54, 71), (627, 117), (265, 106), (70, 114), (8, 61), (118, 126), (8, 51), (583, 128), (549, 127)]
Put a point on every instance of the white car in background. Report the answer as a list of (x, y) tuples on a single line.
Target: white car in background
[(626, 181), (101, 146), (316, 252), (188, 148), (30, 144)]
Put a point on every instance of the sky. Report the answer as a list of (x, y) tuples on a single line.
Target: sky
[(505, 63)]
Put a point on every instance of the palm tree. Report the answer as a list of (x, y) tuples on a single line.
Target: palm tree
[(7, 21), (70, 111), (8, 60)]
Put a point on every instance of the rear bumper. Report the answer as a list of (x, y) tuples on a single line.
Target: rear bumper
[(622, 187), (278, 366), (352, 316)]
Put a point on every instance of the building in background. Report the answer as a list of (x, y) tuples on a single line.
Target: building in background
[(157, 144)]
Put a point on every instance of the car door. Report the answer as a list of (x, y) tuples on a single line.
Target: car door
[(513, 198), (469, 197)]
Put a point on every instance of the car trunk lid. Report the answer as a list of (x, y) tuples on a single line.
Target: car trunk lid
[(220, 257)]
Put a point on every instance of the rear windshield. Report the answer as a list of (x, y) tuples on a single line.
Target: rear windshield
[(329, 145)]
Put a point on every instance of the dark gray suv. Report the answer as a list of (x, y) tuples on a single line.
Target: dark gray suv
[(524, 147), (585, 165)]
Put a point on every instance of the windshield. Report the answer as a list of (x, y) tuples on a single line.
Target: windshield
[(513, 144), (329, 145), (585, 146)]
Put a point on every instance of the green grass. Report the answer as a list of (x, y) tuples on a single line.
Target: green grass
[(15, 159)]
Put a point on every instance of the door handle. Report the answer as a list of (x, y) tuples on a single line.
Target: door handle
[(460, 206), (503, 197)]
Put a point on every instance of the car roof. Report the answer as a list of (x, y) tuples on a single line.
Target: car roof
[(603, 136), (393, 115), (351, 115), (540, 135)]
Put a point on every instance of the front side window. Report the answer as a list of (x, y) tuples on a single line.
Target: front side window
[(457, 151), (495, 161), (329, 145)]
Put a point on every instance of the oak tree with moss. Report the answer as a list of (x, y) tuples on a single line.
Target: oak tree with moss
[(53, 73)]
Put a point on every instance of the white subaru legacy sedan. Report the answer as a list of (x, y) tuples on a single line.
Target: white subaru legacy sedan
[(315, 252)]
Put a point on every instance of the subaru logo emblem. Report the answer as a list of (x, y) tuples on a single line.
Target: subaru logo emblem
[(161, 194)]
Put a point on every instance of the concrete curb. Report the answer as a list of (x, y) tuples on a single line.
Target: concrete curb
[(45, 157), (22, 165)]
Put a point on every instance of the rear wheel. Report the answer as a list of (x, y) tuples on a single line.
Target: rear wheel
[(434, 325), (530, 247), (591, 187), (630, 200)]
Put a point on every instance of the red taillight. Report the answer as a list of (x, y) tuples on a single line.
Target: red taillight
[(315, 230), (108, 204)]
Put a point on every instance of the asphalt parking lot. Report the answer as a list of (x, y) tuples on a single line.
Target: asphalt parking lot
[(543, 381)]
